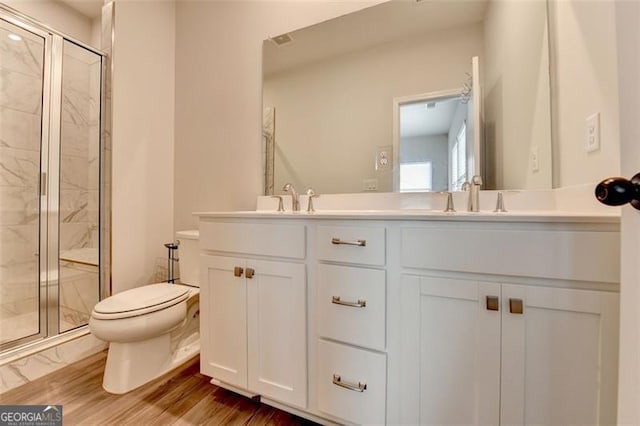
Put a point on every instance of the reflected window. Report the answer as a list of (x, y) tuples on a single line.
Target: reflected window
[(416, 177)]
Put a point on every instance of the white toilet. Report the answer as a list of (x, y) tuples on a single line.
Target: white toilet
[(151, 329)]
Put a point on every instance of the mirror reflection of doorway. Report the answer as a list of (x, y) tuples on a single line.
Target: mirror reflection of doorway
[(433, 147)]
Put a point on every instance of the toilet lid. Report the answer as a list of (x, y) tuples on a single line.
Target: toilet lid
[(141, 300)]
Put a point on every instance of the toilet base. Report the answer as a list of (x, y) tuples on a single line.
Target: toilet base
[(131, 365)]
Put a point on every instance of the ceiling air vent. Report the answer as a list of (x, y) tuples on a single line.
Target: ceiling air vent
[(282, 39)]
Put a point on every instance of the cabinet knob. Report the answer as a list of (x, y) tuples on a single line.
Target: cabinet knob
[(249, 273), (516, 306), (237, 271), (493, 303), (616, 191)]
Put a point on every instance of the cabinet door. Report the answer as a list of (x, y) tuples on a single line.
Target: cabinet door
[(559, 356), (223, 320), (277, 300), (456, 379)]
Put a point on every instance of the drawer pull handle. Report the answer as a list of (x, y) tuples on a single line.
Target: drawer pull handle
[(516, 306), (358, 304), (359, 243), (249, 273), (237, 271), (360, 387)]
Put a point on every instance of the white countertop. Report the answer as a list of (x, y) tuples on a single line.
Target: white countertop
[(425, 215), (575, 204)]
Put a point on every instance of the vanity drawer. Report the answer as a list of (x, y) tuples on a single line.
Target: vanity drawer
[(266, 239), (557, 254), (351, 244), (362, 374), (351, 303)]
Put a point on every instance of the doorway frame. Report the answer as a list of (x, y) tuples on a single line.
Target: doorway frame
[(406, 100)]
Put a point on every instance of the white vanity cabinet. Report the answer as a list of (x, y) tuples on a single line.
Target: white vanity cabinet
[(377, 319), (350, 301), (253, 313), (223, 316), (450, 352), (481, 346), (559, 356)]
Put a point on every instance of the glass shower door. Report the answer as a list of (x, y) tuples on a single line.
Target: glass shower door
[(22, 159), (51, 147), (79, 185)]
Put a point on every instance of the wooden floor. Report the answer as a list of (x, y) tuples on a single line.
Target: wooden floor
[(180, 397)]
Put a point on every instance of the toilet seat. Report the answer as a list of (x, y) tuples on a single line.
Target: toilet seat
[(140, 301)]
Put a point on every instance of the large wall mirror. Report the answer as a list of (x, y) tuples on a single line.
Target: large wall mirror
[(329, 91)]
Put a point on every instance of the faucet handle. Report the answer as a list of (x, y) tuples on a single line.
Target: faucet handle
[(311, 195), (500, 204), (280, 205), (449, 208)]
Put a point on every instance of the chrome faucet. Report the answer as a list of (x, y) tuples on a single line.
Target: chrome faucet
[(295, 202), (474, 193)]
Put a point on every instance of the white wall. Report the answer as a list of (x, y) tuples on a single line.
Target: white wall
[(56, 15), (218, 96), (96, 32), (143, 139), (516, 95), (584, 60), (331, 115), (628, 35), (460, 117)]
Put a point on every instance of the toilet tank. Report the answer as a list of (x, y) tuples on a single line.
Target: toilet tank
[(189, 255)]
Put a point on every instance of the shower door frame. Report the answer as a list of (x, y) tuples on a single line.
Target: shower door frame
[(49, 182)]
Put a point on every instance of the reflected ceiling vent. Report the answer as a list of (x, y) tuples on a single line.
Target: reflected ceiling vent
[(282, 39)]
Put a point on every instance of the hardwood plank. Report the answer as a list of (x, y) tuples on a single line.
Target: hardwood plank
[(48, 385), (173, 404), (181, 397), (216, 405)]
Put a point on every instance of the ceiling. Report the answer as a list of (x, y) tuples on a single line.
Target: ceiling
[(383, 23), (418, 120), (89, 8)]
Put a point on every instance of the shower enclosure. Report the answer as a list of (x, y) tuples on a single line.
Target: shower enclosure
[(51, 157)]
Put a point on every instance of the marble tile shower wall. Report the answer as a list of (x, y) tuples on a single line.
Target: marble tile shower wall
[(79, 183), (21, 75), (30, 367), (21, 94), (79, 159)]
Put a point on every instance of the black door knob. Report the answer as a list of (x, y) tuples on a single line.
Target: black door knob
[(616, 191)]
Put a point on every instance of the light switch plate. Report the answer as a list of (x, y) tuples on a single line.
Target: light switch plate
[(592, 133), (369, 184), (535, 159)]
